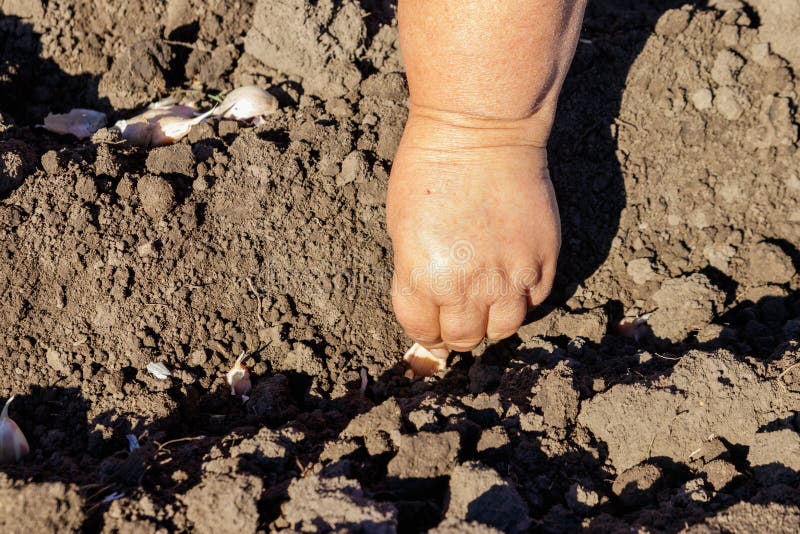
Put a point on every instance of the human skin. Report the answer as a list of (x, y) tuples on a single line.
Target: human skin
[(470, 207)]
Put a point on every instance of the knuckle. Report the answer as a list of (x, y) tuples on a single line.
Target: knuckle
[(500, 333), (422, 336), (463, 345)]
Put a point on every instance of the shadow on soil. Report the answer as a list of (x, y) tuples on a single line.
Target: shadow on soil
[(584, 163)]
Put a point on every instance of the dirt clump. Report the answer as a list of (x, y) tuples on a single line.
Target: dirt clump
[(478, 494), (702, 393), (318, 43), (223, 503), (321, 503), (48, 507), (683, 305)]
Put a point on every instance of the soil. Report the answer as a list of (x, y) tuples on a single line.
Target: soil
[(674, 156)]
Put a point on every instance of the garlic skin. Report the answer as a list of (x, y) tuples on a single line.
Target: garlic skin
[(238, 377), (248, 103), (81, 123), (13, 444), (160, 125), (423, 362)]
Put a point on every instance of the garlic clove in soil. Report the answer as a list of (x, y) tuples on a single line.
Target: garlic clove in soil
[(424, 362), (635, 328), (160, 125), (169, 129), (239, 377), (248, 103), (81, 123), (13, 444)]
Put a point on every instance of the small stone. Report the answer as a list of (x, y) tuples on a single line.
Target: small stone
[(719, 255), (702, 99)]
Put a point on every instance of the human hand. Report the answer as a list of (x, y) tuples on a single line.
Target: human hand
[(474, 225)]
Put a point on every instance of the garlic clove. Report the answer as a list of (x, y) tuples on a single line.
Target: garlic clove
[(145, 129), (170, 128), (136, 133), (635, 328), (247, 103), (13, 444), (238, 377), (81, 123), (424, 362)]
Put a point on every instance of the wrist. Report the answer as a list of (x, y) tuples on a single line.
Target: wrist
[(429, 126)]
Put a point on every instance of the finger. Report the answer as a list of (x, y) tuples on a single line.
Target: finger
[(506, 316), (539, 291), (419, 317), (462, 326)]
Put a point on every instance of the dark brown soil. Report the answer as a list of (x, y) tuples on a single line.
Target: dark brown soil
[(675, 158)]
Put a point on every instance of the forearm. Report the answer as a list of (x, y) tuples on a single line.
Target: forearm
[(484, 59)]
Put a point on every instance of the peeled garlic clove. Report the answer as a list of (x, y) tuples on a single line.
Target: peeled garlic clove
[(168, 129), (246, 103), (13, 444), (239, 377), (81, 123), (424, 362)]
